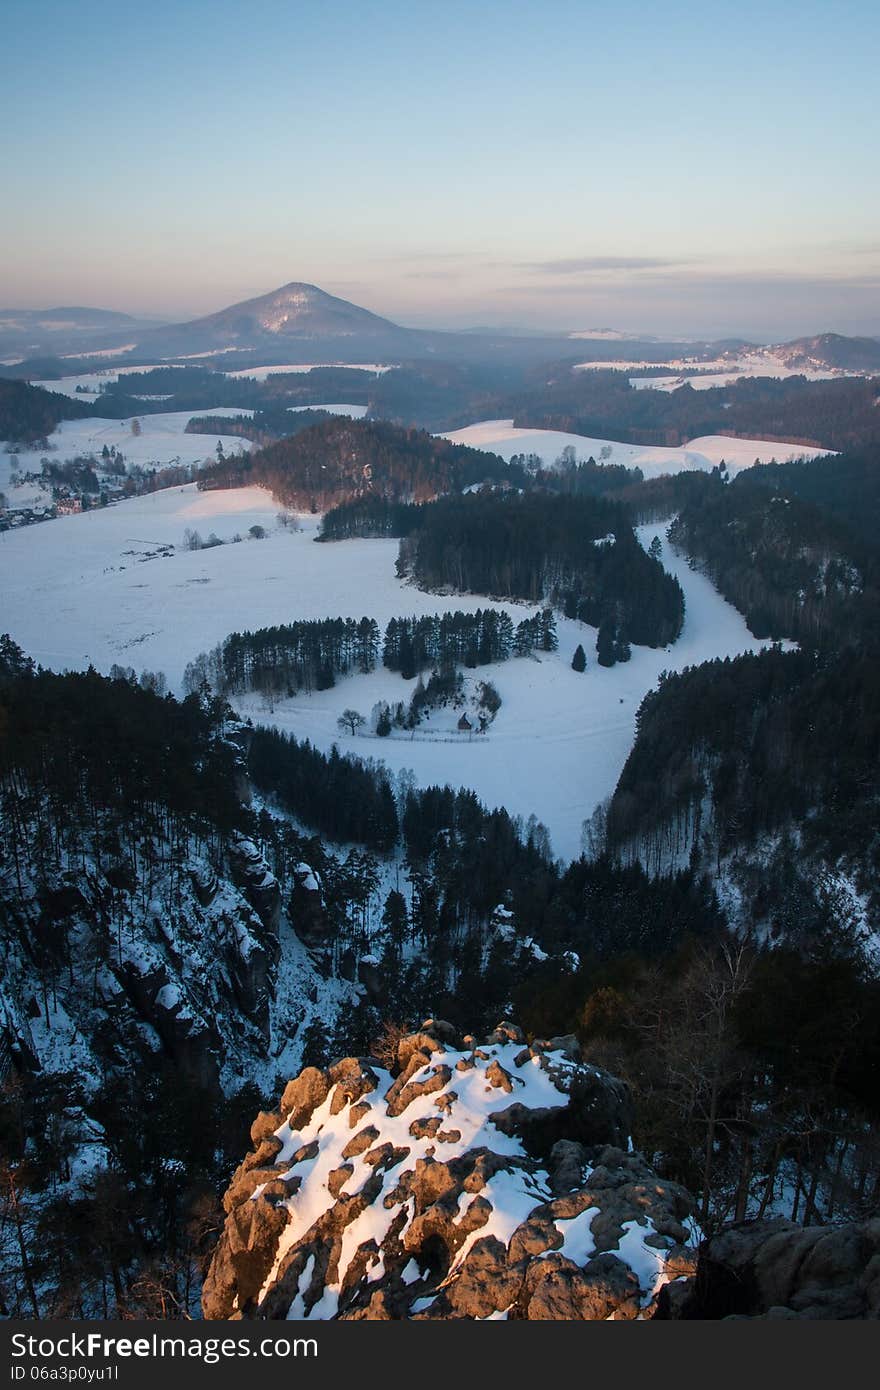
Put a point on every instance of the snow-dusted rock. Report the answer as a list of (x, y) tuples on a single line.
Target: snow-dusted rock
[(475, 1180), (308, 915), (251, 873)]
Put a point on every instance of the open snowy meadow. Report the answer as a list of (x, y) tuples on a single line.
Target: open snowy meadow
[(501, 437), (117, 585)]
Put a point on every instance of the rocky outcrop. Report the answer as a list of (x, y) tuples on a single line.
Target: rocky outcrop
[(161, 1002), (252, 875), (774, 1269), (463, 1179), (308, 915)]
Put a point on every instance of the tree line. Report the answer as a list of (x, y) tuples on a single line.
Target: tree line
[(464, 639), (305, 655), (310, 654)]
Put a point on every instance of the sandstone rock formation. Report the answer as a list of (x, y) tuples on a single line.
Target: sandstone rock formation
[(775, 1269), (466, 1180)]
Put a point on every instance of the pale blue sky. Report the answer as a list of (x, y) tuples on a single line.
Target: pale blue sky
[(674, 167)]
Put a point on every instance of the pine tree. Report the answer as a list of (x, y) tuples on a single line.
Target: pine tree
[(605, 643), (579, 660), (395, 920)]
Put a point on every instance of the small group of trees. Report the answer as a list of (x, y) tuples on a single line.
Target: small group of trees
[(444, 687)]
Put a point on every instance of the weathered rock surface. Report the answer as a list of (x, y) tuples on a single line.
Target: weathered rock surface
[(252, 875), (774, 1269), (308, 915), (486, 1180)]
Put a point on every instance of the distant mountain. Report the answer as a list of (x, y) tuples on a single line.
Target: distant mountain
[(301, 323), (284, 324), (295, 310)]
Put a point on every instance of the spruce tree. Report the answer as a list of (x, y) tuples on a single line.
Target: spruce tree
[(605, 643)]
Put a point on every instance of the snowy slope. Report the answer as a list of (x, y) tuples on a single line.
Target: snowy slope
[(500, 437), (96, 589)]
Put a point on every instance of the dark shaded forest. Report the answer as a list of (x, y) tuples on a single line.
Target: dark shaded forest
[(28, 413), (789, 567), (847, 487), (834, 414), (579, 554), (734, 751), (262, 428)]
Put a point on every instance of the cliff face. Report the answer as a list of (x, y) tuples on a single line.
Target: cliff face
[(457, 1180)]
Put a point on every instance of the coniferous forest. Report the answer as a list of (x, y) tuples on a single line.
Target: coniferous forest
[(578, 553)]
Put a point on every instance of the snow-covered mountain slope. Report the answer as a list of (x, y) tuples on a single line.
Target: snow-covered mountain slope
[(296, 313), (501, 437), (458, 1180)]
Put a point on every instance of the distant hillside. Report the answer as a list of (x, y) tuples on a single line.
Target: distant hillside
[(344, 459), (831, 350), (65, 317), (28, 413), (33, 332)]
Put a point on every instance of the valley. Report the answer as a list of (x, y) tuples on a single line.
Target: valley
[(116, 586), (213, 880)]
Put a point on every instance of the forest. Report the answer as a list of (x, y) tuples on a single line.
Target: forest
[(791, 567), (846, 487), (579, 554), (305, 655), (732, 752), (263, 427), (343, 459), (29, 414), (834, 414)]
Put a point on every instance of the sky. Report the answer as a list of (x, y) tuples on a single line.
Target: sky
[(676, 169)]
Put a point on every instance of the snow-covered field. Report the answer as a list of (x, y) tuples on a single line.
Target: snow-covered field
[(260, 373), (500, 437), (96, 589)]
